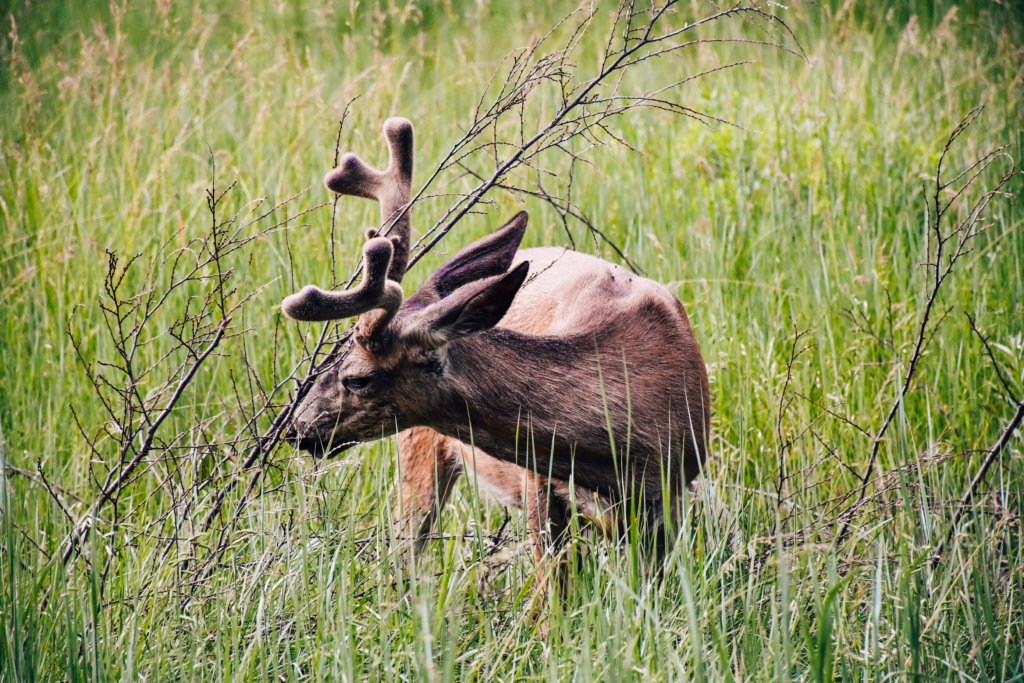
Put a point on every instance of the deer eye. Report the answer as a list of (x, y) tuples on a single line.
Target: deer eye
[(355, 383)]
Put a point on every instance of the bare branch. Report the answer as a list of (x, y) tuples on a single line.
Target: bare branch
[(940, 267)]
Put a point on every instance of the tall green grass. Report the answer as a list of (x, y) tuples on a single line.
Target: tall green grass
[(810, 216)]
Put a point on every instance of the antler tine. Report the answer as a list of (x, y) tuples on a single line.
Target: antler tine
[(392, 188), (376, 291)]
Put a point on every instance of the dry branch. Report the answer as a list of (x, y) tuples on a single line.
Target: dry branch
[(948, 241), (993, 453)]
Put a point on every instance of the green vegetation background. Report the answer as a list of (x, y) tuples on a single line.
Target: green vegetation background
[(810, 216)]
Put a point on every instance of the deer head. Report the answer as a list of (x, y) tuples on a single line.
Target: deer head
[(394, 369)]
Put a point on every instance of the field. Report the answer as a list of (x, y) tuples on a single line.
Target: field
[(863, 328)]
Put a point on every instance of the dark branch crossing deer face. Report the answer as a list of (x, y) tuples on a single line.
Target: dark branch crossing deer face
[(394, 370)]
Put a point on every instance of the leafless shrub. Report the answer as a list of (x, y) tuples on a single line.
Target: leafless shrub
[(956, 216), (956, 211), (153, 363)]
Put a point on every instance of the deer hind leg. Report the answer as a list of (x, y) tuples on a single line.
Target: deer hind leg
[(431, 464), (548, 513)]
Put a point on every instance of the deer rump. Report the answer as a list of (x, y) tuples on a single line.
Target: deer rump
[(553, 378)]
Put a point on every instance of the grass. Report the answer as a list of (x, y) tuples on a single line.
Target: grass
[(809, 217)]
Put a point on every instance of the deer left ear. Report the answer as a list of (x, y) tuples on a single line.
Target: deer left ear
[(469, 310), (488, 256)]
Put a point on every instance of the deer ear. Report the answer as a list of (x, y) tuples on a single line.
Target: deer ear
[(472, 309), (488, 256)]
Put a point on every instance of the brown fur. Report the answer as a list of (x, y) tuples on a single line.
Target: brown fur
[(541, 410), (582, 386)]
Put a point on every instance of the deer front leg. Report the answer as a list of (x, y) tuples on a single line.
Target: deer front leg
[(545, 502), (430, 465)]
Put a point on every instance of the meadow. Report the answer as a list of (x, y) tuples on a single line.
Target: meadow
[(862, 324)]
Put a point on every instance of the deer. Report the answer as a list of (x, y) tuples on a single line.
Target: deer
[(562, 383)]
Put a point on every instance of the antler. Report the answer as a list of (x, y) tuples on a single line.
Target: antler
[(375, 292), (391, 187)]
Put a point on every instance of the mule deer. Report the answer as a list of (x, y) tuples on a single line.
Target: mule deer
[(579, 386)]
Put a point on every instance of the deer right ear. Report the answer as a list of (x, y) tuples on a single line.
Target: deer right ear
[(472, 309), (488, 256)]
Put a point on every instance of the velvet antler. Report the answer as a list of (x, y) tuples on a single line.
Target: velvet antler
[(375, 292), (392, 188)]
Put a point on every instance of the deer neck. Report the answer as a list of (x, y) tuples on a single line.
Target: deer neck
[(505, 389)]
